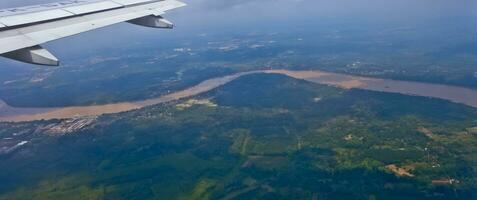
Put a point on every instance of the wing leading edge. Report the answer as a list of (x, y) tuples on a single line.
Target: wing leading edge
[(23, 30)]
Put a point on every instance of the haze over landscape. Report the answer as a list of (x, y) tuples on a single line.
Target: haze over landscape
[(251, 99)]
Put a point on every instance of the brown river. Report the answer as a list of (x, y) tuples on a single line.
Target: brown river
[(451, 93)]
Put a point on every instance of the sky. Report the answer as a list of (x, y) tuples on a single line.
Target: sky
[(217, 12), (231, 16)]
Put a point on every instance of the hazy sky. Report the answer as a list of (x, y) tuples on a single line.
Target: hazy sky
[(227, 10), (222, 15), (225, 16)]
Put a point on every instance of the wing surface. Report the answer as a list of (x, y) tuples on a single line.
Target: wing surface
[(23, 30)]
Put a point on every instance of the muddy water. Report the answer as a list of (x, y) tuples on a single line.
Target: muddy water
[(13, 114), (454, 94), (451, 93)]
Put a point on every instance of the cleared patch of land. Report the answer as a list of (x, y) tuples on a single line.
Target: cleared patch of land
[(399, 171)]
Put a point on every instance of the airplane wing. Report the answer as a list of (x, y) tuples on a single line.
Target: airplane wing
[(23, 30)]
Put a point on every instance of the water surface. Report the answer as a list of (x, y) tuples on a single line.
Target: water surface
[(451, 93)]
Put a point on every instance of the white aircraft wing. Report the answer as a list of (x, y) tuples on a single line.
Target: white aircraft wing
[(23, 30)]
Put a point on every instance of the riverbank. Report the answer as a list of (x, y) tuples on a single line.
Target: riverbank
[(451, 93)]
